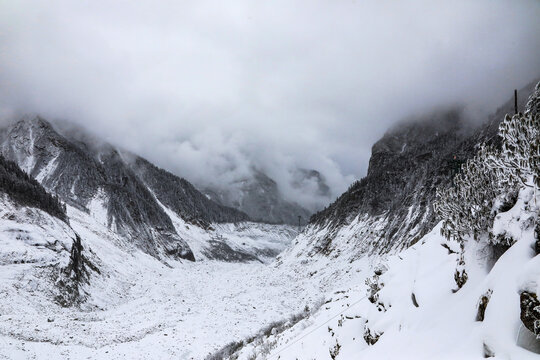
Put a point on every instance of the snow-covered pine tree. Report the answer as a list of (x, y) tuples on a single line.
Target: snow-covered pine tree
[(520, 160), (467, 208)]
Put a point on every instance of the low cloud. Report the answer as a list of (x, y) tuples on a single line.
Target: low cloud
[(211, 90)]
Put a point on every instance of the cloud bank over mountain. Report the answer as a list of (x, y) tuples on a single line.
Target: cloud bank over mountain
[(211, 90)]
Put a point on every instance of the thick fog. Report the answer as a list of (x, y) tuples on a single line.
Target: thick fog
[(212, 89)]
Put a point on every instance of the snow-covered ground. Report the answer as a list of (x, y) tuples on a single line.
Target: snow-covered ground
[(156, 312), (416, 314), (137, 307)]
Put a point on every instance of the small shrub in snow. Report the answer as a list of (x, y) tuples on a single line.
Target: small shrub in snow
[(371, 337), (226, 351), (374, 286), (460, 277), (334, 351)]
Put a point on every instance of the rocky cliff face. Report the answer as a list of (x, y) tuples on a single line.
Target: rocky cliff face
[(391, 208), (182, 197), (129, 191)]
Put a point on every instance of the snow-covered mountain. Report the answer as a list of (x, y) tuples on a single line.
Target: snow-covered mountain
[(73, 287), (158, 212), (399, 283), (376, 275), (392, 207), (258, 196)]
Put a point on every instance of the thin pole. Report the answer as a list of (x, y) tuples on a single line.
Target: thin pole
[(515, 101)]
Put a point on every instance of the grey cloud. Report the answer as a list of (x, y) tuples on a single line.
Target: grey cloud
[(211, 89)]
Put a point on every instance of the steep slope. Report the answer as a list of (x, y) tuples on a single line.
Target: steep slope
[(39, 251), (408, 309), (468, 289), (26, 191), (123, 190), (391, 208), (81, 176), (259, 197), (182, 197)]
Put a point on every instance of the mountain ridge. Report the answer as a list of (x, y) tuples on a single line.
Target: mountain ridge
[(407, 165), (79, 173)]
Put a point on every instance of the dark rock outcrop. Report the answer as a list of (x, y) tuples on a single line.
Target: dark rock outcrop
[(530, 312), (181, 196), (77, 273), (482, 305)]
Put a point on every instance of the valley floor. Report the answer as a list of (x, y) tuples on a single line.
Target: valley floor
[(137, 307), (140, 308), (157, 312)]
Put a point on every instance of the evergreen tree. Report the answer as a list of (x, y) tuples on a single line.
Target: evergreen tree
[(468, 208)]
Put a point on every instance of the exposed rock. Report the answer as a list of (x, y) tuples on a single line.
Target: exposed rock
[(74, 276), (482, 305), (530, 312), (371, 337), (414, 301), (488, 353)]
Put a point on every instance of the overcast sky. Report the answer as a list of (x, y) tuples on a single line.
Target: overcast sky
[(209, 89)]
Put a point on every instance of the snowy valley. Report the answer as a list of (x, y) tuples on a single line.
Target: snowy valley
[(415, 261)]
